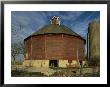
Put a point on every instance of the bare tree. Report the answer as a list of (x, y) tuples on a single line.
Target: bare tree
[(16, 47), (14, 52)]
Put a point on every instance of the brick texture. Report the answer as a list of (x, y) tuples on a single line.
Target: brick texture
[(54, 46)]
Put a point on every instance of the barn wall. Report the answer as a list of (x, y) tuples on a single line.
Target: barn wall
[(35, 48), (73, 47), (64, 47), (38, 47), (56, 46)]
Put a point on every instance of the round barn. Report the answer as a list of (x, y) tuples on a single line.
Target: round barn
[(54, 45)]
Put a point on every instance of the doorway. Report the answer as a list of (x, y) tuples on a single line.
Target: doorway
[(53, 63)]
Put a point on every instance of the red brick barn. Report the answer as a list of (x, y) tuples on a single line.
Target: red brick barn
[(54, 45)]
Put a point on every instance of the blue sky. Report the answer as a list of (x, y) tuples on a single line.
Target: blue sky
[(24, 23)]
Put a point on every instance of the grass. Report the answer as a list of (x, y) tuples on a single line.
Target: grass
[(17, 73), (60, 72)]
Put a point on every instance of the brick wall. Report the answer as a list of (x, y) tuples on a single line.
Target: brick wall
[(57, 46)]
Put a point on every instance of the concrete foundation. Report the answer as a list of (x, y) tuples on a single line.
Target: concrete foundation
[(46, 63), (36, 63)]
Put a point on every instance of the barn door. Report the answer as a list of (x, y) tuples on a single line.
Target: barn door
[(53, 63)]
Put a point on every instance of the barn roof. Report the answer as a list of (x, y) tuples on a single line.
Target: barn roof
[(55, 29)]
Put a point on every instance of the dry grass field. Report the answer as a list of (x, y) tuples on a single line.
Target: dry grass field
[(55, 72)]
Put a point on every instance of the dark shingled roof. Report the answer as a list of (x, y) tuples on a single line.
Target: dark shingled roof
[(55, 29)]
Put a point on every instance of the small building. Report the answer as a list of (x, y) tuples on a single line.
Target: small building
[(54, 45)]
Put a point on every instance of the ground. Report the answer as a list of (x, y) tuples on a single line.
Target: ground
[(55, 72)]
